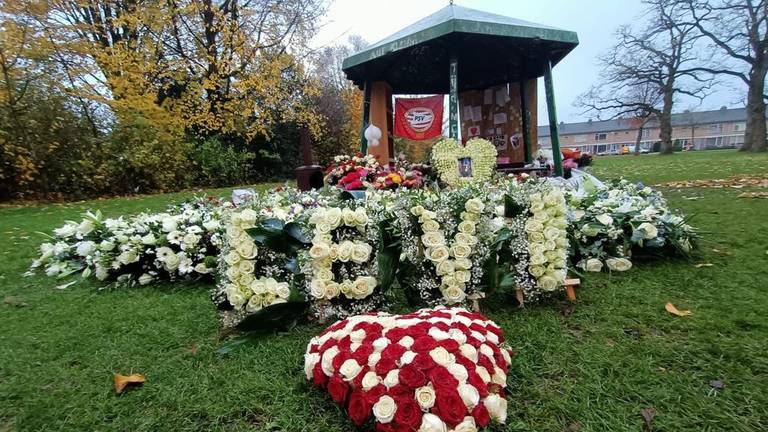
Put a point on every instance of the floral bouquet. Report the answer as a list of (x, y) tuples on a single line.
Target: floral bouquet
[(258, 267), (445, 240), (611, 225), (431, 370), (352, 172), (341, 266), (181, 242), (533, 249)]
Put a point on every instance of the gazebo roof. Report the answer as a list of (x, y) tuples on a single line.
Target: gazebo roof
[(491, 49)]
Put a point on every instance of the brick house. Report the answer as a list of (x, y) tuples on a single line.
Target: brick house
[(703, 130)]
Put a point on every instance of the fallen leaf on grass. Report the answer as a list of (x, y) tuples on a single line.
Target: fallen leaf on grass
[(675, 311), (573, 427), (721, 252), (12, 301), (700, 265), (66, 285), (647, 414), (754, 195), (716, 384), (122, 381)]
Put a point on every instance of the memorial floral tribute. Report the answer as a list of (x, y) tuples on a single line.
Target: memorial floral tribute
[(445, 237), (341, 267), (533, 246), (474, 162), (614, 224), (442, 369), (180, 243)]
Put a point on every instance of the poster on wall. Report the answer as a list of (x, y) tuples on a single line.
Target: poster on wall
[(419, 118), (496, 114)]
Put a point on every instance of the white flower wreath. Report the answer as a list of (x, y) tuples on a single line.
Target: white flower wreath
[(447, 155)]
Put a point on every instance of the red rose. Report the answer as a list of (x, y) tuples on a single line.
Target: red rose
[(384, 366), (449, 406), (484, 361), (359, 409), (400, 391), (395, 334), (423, 362), (338, 389), (441, 378), (408, 413), (450, 345), (441, 326), (328, 344), (480, 413), (411, 377), (477, 382), (340, 358), (393, 351), (475, 342), (318, 376), (373, 395), (424, 344), (361, 354), (344, 343), (357, 381)]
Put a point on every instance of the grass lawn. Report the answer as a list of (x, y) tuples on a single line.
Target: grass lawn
[(592, 366)]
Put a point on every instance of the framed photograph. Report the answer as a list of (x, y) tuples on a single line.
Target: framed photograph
[(465, 167)]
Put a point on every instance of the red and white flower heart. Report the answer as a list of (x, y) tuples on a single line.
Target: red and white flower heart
[(432, 370)]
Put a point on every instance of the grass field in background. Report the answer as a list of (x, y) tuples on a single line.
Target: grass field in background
[(592, 366)]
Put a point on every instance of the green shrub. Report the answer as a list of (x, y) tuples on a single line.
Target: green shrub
[(220, 165)]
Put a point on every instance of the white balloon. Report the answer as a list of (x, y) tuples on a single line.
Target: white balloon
[(372, 133)]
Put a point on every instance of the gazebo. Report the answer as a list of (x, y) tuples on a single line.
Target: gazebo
[(469, 55)]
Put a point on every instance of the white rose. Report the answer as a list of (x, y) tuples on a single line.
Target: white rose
[(348, 216), (392, 378), (317, 288), (370, 380), (438, 254), (85, 248), (499, 377), (432, 423), (344, 250), (202, 268), (384, 409), (169, 224), (430, 226), (85, 227), (497, 407), (467, 227), (282, 290), (319, 250), (211, 225), (417, 210), (332, 290), (349, 369), (246, 249), (333, 217), (361, 217), (128, 257), (442, 357), (459, 372), (425, 397), (469, 395), (327, 360), (618, 264), (248, 218), (604, 219), (474, 205), (149, 239), (361, 252), (461, 251), (407, 357), (547, 283), (191, 239), (433, 239), (483, 373), (453, 295), (145, 279), (467, 425), (444, 268), (593, 265), (463, 263), (650, 230)]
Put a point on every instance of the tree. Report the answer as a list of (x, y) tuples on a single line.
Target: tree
[(738, 30), (338, 102), (648, 64)]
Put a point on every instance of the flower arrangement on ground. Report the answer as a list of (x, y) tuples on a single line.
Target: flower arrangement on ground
[(611, 225), (182, 242), (352, 172), (432, 370), (445, 238), (341, 265)]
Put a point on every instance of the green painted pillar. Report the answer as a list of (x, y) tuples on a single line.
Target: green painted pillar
[(552, 111), (366, 116), (526, 120), (453, 99)]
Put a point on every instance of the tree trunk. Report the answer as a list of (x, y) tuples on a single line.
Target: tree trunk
[(755, 132), (639, 137), (665, 124)]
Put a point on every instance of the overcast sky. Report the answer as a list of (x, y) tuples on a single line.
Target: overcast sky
[(593, 20)]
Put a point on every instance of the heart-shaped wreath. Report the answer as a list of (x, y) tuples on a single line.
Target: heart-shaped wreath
[(457, 165), (435, 369)]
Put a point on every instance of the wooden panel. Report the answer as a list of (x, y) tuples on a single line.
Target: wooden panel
[(381, 116)]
